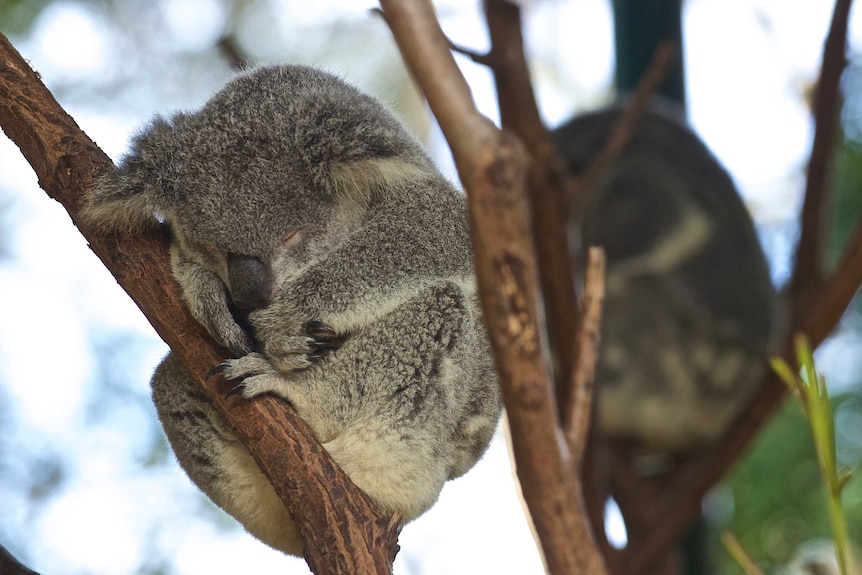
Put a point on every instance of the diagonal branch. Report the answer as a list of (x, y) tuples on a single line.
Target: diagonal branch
[(624, 128), (9, 565), (342, 530), (808, 270), (837, 292), (493, 168)]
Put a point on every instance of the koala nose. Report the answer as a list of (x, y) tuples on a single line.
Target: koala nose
[(250, 282)]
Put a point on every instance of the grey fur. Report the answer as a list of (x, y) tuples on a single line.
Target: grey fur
[(292, 198), (689, 301)]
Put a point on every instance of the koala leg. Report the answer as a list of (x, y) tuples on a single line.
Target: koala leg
[(216, 461)]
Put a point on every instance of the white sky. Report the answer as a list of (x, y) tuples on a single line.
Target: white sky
[(747, 62)]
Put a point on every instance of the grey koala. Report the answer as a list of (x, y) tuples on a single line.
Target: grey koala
[(689, 301), (314, 238)]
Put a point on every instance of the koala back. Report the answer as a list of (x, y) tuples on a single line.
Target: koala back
[(689, 301)]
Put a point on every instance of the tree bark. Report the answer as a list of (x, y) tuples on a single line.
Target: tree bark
[(493, 167)]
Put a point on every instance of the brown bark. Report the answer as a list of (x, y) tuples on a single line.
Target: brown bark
[(577, 413), (493, 167), (342, 530), (547, 175), (11, 566), (808, 269)]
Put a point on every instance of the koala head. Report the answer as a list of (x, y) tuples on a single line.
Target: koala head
[(273, 171)]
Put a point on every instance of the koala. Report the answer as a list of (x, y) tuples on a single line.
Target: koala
[(313, 237), (689, 301)]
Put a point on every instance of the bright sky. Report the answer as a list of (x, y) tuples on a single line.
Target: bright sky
[(747, 63)]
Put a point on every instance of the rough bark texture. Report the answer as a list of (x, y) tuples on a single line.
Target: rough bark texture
[(493, 167), (342, 530)]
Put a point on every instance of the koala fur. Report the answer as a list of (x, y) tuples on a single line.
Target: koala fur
[(314, 238), (689, 301)]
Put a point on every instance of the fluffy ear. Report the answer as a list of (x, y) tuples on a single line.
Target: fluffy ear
[(132, 195), (364, 179)]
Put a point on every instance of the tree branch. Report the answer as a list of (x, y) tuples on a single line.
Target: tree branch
[(624, 128), (808, 270), (549, 184), (577, 413), (837, 292), (342, 530), (11, 566), (493, 168)]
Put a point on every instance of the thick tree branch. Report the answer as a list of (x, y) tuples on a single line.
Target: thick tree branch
[(493, 168), (342, 530), (549, 184)]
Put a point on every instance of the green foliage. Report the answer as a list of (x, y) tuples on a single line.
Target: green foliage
[(811, 389), (777, 493)]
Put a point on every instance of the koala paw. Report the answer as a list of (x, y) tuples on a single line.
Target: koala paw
[(299, 352), (255, 373)]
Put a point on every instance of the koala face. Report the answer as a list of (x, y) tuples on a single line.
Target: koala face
[(250, 218)]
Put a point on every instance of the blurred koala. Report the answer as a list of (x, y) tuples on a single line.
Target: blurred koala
[(314, 238), (689, 300)]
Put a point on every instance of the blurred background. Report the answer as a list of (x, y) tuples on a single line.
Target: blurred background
[(87, 483)]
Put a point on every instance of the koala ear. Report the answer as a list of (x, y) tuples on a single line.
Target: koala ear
[(134, 194), (365, 179)]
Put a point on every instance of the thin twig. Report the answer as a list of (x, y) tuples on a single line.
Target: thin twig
[(739, 554), (477, 57), (616, 142), (576, 422), (625, 126), (808, 270)]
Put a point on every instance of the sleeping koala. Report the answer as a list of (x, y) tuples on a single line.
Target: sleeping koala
[(689, 303), (313, 237)]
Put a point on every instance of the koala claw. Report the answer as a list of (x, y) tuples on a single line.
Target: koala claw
[(319, 331), (322, 337), (237, 389), (254, 373), (299, 352), (217, 369)]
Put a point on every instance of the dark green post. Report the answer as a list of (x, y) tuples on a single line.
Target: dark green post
[(639, 26)]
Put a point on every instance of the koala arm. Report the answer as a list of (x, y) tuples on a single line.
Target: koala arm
[(403, 245), (209, 302)]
